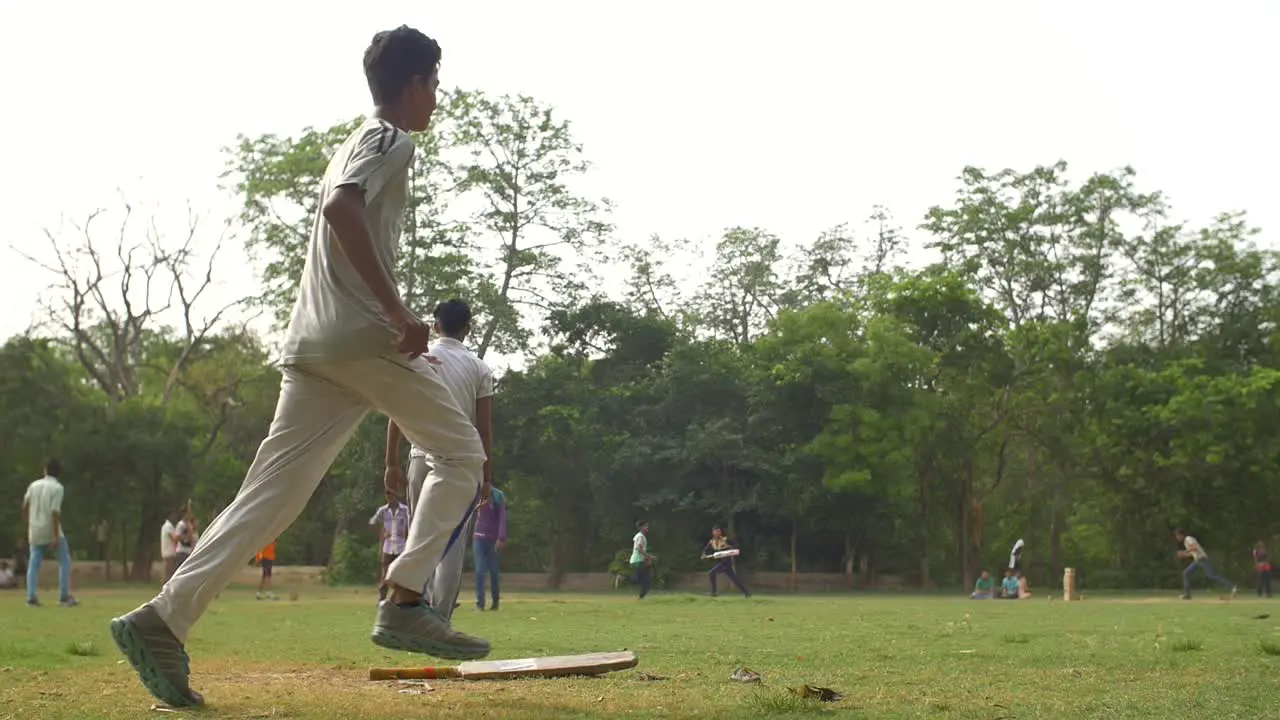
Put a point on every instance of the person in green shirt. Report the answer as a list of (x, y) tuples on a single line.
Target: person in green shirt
[(984, 588), (641, 560)]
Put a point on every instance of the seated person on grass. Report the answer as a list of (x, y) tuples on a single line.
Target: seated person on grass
[(7, 579), (1024, 590), (984, 589), (1009, 588)]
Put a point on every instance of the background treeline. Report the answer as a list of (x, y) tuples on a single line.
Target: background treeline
[(1045, 355)]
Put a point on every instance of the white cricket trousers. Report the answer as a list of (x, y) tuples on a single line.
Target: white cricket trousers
[(445, 584), (320, 407)]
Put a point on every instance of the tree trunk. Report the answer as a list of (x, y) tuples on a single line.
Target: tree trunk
[(966, 560), (850, 555), (925, 580), (124, 551), (143, 551), (795, 532)]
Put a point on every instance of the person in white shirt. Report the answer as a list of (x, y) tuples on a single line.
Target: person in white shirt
[(42, 512), (391, 523), (168, 542), (470, 383), (352, 346), (185, 536), (1192, 549), (1015, 556)]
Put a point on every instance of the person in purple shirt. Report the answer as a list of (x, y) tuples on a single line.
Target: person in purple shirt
[(490, 536)]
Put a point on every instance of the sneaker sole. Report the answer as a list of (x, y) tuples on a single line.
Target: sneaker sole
[(392, 640), (139, 656)]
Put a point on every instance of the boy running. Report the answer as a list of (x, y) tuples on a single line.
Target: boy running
[(1199, 559), (351, 346), (470, 383)]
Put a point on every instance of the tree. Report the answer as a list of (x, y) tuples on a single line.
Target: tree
[(106, 308), (516, 163)]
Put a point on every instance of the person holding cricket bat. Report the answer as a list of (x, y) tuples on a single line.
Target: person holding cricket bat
[(724, 564), (1192, 549)]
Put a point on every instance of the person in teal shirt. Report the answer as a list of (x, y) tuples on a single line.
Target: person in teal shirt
[(984, 589), (1009, 586)]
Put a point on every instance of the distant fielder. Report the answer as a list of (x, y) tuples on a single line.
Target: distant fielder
[(1199, 559), (724, 565)]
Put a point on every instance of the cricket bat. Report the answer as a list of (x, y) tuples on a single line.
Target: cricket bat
[(588, 664), (731, 552)]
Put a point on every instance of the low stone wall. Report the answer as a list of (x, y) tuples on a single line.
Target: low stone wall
[(94, 573)]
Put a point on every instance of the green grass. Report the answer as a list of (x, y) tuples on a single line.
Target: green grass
[(893, 657)]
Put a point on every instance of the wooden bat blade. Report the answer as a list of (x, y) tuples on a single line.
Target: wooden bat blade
[(559, 666), (725, 553)]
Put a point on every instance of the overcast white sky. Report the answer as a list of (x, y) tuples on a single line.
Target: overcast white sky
[(697, 115)]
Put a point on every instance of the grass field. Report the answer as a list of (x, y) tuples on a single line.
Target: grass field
[(894, 656)]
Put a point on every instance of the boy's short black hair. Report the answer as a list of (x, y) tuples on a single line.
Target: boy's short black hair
[(52, 467), (641, 523), (453, 316), (394, 58)]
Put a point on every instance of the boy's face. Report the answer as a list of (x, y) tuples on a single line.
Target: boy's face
[(715, 532), (422, 100)]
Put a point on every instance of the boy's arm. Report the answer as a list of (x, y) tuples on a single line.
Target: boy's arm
[(57, 515), (379, 155), (393, 475), (484, 425)]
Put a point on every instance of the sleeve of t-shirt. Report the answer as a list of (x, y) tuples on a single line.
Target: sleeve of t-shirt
[(377, 516), (486, 382), (55, 502), (380, 154)]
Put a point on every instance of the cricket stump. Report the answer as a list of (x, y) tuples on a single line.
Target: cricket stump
[(1069, 585)]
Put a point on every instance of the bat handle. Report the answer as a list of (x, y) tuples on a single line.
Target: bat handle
[(426, 673)]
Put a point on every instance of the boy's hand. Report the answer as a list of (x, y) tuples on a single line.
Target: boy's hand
[(486, 493), (413, 337)]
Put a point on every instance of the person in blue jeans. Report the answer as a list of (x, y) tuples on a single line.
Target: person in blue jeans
[(1192, 549), (490, 537), (42, 512)]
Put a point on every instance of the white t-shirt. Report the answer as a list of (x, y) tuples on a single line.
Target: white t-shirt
[(1014, 553), (639, 547), (166, 539), (1193, 546), (6, 578), (189, 544), (43, 499), (466, 376), (335, 316)]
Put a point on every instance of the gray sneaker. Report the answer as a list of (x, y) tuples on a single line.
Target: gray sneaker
[(420, 629), (160, 660)]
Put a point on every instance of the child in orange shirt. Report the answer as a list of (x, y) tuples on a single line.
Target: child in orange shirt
[(266, 558)]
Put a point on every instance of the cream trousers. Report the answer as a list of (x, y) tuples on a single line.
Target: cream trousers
[(319, 409)]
